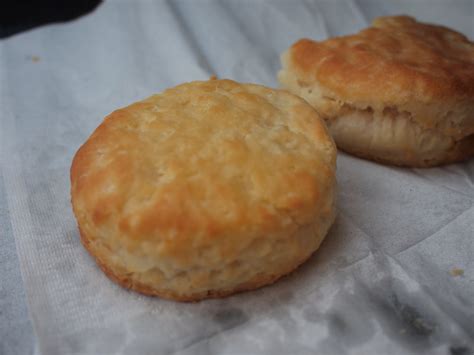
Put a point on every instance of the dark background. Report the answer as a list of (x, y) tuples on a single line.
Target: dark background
[(21, 15)]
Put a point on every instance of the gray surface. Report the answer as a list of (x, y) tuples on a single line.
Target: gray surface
[(16, 333), (414, 318)]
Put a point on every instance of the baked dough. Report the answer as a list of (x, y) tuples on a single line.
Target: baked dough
[(205, 190), (400, 92)]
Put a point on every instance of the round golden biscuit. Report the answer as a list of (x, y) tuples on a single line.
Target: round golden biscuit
[(204, 190), (400, 92)]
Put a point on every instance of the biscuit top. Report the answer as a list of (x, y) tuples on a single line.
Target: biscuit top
[(203, 161), (398, 62)]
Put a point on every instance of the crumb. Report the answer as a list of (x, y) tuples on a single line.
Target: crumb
[(33, 58), (213, 77), (456, 272)]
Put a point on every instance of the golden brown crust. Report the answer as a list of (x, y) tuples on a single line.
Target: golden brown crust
[(423, 70), (205, 189)]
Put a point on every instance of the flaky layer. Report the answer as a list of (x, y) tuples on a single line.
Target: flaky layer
[(422, 69), (384, 134), (206, 187), (257, 266), (394, 138)]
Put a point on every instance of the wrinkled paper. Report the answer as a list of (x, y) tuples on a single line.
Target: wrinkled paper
[(394, 276)]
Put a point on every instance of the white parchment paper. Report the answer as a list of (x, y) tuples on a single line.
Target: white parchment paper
[(380, 284)]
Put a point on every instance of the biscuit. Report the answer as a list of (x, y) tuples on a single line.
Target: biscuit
[(400, 92), (205, 190)]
